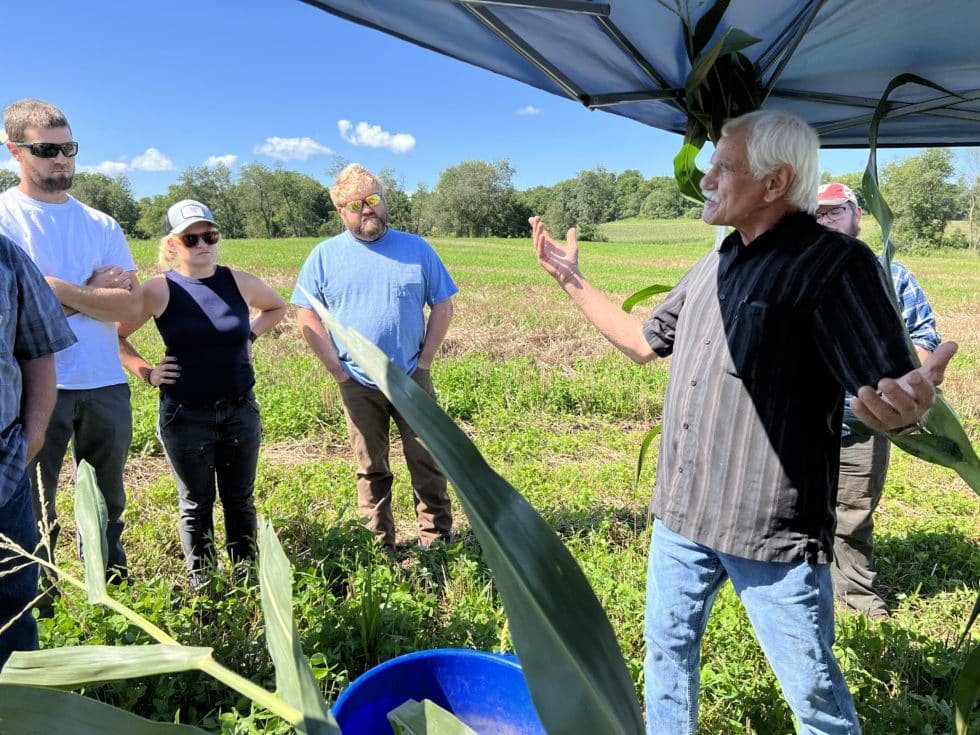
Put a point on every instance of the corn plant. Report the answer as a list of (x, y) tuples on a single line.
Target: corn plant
[(27, 707), (577, 682)]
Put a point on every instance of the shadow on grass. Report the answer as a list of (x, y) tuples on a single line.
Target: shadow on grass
[(902, 680), (614, 524), (927, 563)]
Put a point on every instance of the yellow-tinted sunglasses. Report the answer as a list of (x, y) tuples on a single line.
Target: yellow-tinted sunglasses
[(356, 205)]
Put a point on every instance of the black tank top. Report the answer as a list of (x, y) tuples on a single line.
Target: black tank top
[(206, 327)]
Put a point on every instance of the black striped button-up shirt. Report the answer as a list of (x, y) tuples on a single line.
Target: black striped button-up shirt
[(765, 339)]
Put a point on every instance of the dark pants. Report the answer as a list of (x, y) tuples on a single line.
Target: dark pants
[(863, 467), (99, 425), (369, 415), (208, 445), (18, 588)]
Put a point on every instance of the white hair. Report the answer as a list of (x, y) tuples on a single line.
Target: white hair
[(777, 138)]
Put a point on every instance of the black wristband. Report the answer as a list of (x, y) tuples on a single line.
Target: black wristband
[(252, 336)]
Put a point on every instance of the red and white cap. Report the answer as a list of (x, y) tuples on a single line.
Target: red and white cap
[(835, 194)]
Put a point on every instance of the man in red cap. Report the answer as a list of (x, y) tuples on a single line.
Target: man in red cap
[(864, 459)]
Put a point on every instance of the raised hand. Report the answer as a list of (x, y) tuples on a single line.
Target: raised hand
[(901, 402), (561, 261)]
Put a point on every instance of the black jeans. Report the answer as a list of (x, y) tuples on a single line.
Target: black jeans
[(98, 423), (207, 445)]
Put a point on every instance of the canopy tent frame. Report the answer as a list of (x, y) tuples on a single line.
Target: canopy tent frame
[(844, 130)]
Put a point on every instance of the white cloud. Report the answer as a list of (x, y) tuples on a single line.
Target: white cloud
[(109, 168), (151, 160), (374, 137), (291, 149), (10, 164), (229, 160), (529, 110)]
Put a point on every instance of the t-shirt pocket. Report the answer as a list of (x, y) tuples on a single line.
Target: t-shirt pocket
[(408, 281)]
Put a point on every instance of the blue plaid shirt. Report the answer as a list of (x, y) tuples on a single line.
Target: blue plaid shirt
[(32, 325), (917, 314)]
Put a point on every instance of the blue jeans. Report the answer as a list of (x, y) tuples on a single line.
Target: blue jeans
[(791, 609), (209, 445), (18, 589)]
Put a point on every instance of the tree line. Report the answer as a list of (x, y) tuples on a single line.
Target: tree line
[(478, 199)]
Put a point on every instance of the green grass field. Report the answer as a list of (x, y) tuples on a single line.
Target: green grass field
[(561, 416)]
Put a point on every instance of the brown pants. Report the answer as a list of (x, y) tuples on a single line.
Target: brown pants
[(863, 467), (369, 415)]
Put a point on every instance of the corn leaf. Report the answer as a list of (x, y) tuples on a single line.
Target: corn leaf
[(75, 665), (643, 294), (568, 650), (731, 41), (966, 691), (425, 718), (705, 28), (294, 677), (92, 519), (869, 182), (644, 448), (943, 440), (28, 710), (687, 174)]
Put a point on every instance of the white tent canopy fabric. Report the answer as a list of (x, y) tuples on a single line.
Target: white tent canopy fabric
[(829, 61)]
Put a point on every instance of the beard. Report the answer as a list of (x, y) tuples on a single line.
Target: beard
[(371, 228), (54, 183)]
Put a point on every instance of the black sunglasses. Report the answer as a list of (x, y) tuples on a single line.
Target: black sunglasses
[(51, 150), (211, 238)]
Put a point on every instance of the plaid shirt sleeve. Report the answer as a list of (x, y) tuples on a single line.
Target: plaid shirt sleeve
[(32, 325), (916, 311)]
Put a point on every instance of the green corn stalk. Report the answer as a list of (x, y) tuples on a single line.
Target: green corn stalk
[(26, 707), (578, 683), (942, 439)]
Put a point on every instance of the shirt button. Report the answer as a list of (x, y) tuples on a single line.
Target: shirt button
[(694, 382), (721, 297), (707, 341), (686, 426), (680, 470)]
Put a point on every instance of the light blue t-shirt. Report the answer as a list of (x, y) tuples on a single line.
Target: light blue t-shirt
[(379, 289)]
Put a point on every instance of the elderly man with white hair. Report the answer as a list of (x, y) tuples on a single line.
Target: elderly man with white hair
[(767, 331)]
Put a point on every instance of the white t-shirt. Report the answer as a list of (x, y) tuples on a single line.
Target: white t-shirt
[(69, 241)]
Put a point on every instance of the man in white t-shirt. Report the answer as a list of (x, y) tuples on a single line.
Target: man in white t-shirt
[(84, 257)]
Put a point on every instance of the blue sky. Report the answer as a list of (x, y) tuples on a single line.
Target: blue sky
[(152, 88)]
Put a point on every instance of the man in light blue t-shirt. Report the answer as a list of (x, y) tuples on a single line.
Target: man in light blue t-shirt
[(378, 281)]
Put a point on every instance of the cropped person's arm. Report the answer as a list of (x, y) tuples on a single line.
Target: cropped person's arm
[(37, 400), (440, 315), (156, 296), (623, 330), (318, 338), (109, 295), (262, 297)]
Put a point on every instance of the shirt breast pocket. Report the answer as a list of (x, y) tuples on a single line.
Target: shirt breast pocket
[(408, 281), (761, 341)]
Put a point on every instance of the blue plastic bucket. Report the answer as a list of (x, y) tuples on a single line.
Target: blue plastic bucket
[(487, 691)]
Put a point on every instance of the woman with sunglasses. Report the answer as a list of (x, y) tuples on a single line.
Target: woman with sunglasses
[(208, 419)]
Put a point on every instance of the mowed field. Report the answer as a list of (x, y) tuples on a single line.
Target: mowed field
[(560, 415)]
